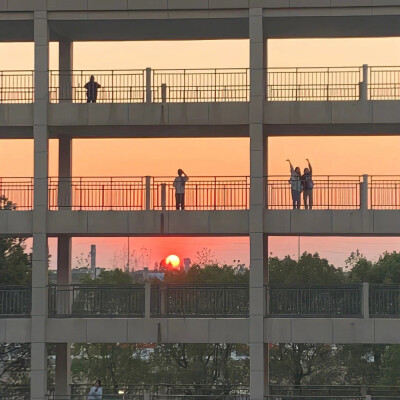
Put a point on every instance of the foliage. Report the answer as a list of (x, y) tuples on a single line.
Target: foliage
[(207, 274), (310, 269), (113, 277), (15, 269)]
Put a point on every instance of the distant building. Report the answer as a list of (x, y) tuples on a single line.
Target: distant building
[(187, 263)]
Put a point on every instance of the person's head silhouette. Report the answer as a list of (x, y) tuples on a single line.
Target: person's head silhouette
[(92, 78), (180, 172)]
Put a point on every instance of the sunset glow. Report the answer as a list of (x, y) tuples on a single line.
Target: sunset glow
[(173, 261)]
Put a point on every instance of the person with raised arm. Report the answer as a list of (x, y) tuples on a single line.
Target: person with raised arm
[(295, 184), (308, 185), (179, 185)]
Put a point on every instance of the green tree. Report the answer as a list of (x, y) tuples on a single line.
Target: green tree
[(15, 269)]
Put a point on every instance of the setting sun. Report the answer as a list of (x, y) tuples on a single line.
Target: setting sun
[(173, 260)]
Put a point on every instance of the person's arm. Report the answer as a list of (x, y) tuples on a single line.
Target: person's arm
[(185, 176), (291, 166), (98, 85), (309, 166), (86, 85)]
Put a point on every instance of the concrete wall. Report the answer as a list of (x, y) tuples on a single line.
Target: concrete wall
[(205, 330), (332, 222), (148, 222), (277, 222)]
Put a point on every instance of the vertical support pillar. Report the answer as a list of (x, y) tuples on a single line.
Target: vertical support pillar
[(40, 251), (364, 84), (63, 371), (147, 299), (365, 300), (148, 85), (64, 172), (364, 193), (65, 55), (148, 192), (259, 381)]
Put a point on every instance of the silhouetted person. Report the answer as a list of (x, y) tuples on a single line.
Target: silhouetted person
[(91, 90), (179, 185), (295, 184), (96, 391), (308, 185)]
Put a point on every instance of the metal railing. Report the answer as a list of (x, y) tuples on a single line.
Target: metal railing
[(384, 83), (119, 86), (375, 391), (203, 193), (384, 300), (16, 87), (147, 85), (318, 397), (200, 300), (19, 191), (384, 192), (314, 301), (329, 192), (201, 85), (15, 301), (99, 193), (313, 84), (93, 300), (162, 389)]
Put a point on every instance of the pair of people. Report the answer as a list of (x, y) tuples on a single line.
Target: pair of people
[(301, 183)]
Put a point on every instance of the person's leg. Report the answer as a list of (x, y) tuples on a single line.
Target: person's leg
[(298, 202), (183, 201), (294, 198), (310, 199), (305, 195), (177, 200)]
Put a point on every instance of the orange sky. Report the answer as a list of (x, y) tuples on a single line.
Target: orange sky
[(373, 155)]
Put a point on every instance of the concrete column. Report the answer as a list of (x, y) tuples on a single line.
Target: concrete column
[(148, 86), (64, 296), (64, 172), (148, 192), (364, 193), (147, 300), (63, 371), (258, 241), (40, 251), (364, 84), (65, 54), (365, 300)]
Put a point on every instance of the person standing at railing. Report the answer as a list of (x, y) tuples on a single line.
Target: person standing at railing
[(91, 90), (96, 391), (308, 185), (295, 184), (179, 185)]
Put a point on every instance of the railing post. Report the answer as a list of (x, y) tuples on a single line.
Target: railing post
[(163, 92), (364, 84), (148, 85), (148, 192), (364, 193), (365, 300), (163, 300), (163, 196), (147, 299)]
